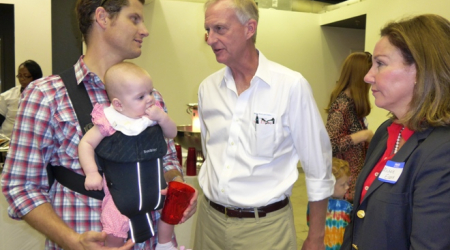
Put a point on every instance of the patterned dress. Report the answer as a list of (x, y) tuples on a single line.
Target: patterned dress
[(338, 217), (341, 123)]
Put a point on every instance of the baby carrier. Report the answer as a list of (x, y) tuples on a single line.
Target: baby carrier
[(133, 166)]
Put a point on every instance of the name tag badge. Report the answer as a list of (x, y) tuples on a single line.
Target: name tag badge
[(391, 172)]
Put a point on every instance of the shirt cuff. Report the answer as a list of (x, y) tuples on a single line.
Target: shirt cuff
[(318, 190)]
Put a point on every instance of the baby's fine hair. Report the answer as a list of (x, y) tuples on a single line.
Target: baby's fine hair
[(340, 168)]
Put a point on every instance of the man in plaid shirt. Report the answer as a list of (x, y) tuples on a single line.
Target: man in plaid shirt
[(47, 132)]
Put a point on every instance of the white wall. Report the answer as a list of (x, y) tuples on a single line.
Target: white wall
[(178, 58), (176, 54), (32, 21), (296, 41)]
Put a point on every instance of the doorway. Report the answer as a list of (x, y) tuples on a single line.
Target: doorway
[(341, 38), (7, 55)]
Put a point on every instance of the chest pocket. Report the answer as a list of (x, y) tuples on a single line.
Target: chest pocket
[(263, 136)]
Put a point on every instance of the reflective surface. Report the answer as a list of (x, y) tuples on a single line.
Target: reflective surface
[(187, 138)]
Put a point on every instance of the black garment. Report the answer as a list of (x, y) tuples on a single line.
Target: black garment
[(411, 213), (2, 119), (133, 168)]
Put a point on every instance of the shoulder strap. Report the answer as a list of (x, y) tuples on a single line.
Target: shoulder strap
[(79, 98), (73, 181), (83, 108)]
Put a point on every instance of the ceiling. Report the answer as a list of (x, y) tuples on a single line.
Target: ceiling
[(357, 22), (322, 1), (330, 1), (311, 6)]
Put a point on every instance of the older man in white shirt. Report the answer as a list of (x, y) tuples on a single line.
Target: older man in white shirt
[(258, 119)]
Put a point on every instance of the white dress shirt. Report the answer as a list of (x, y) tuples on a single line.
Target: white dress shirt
[(9, 104), (249, 164)]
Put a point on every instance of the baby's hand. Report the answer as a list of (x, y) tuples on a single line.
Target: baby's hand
[(93, 182), (155, 113)]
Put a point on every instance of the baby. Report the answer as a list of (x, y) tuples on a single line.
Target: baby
[(133, 112), (338, 212)]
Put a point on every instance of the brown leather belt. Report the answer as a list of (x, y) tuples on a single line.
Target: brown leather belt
[(248, 212)]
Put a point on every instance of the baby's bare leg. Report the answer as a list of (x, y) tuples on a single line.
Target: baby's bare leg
[(113, 241), (165, 232)]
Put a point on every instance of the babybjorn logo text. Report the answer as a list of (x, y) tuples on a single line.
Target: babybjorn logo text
[(149, 150)]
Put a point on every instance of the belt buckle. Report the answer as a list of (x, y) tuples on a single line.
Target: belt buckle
[(231, 209), (261, 213), (240, 212), (234, 209), (226, 211)]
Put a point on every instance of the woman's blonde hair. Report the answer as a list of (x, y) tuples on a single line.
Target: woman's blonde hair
[(354, 68), (424, 40), (340, 168)]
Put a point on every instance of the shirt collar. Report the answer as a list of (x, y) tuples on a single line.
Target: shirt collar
[(81, 70), (394, 129), (262, 72), (83, 73)]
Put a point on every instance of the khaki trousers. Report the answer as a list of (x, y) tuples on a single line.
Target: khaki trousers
[(215, 231)]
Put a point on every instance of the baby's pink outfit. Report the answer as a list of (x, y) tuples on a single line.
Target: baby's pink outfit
[(113, 221)]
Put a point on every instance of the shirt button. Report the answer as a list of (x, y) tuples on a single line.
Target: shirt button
[(232, 143), (223, 191), (376, 174), (361, 214), (366, 188)]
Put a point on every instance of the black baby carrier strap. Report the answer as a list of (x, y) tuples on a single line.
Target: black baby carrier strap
[(83, 108)]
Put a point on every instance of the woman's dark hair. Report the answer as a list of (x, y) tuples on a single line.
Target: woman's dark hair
[(33, 68)]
